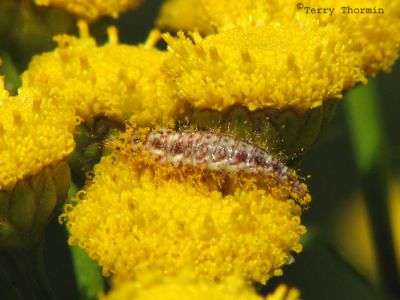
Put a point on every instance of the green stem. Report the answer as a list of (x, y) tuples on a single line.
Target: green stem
[(369, 151), (24, 269)]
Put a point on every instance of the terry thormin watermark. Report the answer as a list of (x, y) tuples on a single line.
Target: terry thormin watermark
[(343, 10)]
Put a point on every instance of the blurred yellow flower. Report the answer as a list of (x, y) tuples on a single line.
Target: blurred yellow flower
[(134, 218), (187, 286), (354, 237), (208, 16), (272, 65), (114, 80), (34, 134), (225, 14), (183, 15), (92, 10)]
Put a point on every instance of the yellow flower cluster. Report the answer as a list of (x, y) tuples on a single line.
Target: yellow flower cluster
[(92, 10), (33, 135), (133, 219), (156, 286), (265, 66), (186, 15), (114, 80), (375, 37)]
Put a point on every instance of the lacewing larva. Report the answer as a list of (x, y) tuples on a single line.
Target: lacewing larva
[(216, 152)]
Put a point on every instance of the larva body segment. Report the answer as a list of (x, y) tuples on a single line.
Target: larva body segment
[(217, 152)]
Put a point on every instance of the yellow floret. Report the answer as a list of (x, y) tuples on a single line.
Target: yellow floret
[(114, 80), (187, 286), (34, 133), (131, 221), (92, 10), (266, 66), (183, 15)]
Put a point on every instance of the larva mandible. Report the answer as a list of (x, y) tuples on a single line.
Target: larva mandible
[(216, 152)]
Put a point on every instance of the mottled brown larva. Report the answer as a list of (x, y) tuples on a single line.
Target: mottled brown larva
[(216, 152)]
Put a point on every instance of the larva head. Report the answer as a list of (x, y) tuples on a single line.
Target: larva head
[(135, 141), (138, 137), (113, 144)]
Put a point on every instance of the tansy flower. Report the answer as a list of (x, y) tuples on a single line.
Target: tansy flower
[(134, 218), (270, 66), (187, 286), (183, 15), (114, 80), (34, 134), (92, 10)]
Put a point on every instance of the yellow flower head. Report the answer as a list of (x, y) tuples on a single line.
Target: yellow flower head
[(208, 15), (113, 80), (92, 10), (34, 134), (183, 15), (187, 286), (273, 65), (136, 217)]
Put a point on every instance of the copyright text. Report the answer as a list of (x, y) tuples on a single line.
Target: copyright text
[(343, 10)]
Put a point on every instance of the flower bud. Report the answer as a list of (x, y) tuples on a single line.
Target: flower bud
[(27, 208)]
